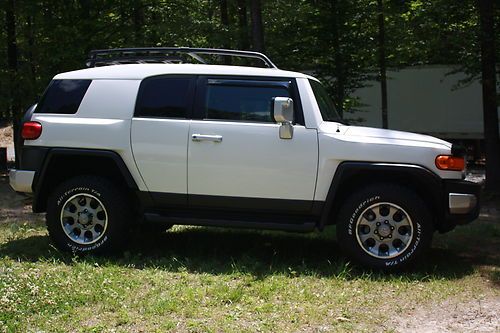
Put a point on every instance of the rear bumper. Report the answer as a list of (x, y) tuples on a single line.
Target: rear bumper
[(21, 180), (462, 201)]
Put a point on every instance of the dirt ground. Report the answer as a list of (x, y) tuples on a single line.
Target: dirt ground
[(6, 135), (452, 316), (12, 205), (6, 141)]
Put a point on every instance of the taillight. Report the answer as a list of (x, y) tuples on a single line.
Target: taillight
[(449, 162), (31, 130)]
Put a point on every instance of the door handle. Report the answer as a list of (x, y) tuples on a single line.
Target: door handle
[(205, 137)]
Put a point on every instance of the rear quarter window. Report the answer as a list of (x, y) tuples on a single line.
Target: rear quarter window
[(63, 96)]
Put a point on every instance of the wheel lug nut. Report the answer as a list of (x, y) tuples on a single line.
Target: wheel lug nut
[(390, 236), (392, 228), (381, 238), (375, 232), (378, 223), (386, 222)]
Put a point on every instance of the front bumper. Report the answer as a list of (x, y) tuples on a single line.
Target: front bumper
[(462, 201), (21, 180)]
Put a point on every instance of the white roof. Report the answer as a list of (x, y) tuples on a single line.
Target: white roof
[(141, 71)]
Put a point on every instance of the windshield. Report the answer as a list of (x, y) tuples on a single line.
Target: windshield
[(325, 103)]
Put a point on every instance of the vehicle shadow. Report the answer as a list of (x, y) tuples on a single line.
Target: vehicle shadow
[(260, 254)]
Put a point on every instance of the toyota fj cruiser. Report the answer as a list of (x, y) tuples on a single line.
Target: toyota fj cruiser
[(144, 136)]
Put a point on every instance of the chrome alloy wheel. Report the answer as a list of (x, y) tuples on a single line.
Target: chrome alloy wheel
[(384, 230), (84, 219)]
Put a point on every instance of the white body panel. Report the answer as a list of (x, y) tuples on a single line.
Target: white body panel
[(378, 145), (160, 151), (252, 161), (112, 103), (111, 99)]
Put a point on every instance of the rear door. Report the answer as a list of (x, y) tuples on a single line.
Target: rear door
[(159, 135), (236, 158)]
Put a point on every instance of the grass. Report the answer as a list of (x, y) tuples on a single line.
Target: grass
[(212, 280)]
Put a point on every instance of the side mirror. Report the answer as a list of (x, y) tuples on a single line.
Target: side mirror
[(283, 109), (283, 113)]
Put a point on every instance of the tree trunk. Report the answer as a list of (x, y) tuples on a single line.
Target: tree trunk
[(224, 16), (86, 33), (224, 20), (338, 59), (257, 28), (10, 25), (490, 112), (85, 6), (243, 25), (31, 47), (12, 61), (382, 62), (210, 10), (138, 17)]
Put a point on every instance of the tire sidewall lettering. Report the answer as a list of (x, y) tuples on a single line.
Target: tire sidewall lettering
[(361, 206), (79, 248), (409, 252), (62, 198)]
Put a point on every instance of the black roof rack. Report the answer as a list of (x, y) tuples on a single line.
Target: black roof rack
[(166, 55)]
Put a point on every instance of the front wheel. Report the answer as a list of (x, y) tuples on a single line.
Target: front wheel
[(384, 226), (88, 214)]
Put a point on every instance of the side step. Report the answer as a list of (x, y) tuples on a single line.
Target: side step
[(230, 223)]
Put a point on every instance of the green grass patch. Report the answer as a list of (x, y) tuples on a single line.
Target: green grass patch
[(212, 280)]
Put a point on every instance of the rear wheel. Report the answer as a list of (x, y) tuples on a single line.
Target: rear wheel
[(88, 214), (384, 226)]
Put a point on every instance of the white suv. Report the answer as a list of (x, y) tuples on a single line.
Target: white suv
[(198, 144)]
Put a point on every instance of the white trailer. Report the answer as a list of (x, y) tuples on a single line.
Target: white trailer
[(424, 99)]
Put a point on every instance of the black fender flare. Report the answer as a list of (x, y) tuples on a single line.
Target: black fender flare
[(40, 175), (347, 170)]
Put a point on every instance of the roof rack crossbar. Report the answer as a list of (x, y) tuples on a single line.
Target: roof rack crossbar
[(166, 54)]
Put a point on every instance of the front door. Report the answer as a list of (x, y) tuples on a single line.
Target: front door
[(236, 158)]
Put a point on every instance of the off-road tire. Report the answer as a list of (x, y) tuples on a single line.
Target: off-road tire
[(115, 205), (362, 239)]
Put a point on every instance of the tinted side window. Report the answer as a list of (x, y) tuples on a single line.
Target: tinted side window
[(244, 102), (63, 96), (164, 97)]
